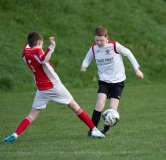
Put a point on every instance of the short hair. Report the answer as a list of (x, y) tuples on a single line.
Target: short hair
[(33, 38), (100, 31)]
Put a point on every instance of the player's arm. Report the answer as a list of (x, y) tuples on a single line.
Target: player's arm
[(23, 53), (126, 52), (88, 59), (46, 57), (139, 73)]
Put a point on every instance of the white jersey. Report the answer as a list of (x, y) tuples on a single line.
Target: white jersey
[(109, 61)]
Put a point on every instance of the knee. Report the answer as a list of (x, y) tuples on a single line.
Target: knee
[(73, 106), (100, 105), (33, 114)]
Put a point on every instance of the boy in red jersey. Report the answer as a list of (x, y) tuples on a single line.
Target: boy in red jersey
[(108, 55), (49, 85)]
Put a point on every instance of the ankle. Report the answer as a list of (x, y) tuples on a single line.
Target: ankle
[(15, 134)]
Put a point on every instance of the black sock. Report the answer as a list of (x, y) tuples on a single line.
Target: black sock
[(96, 117)]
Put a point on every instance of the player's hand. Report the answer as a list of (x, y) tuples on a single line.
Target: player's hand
[(139, 74), (52, 41), (83, 69)]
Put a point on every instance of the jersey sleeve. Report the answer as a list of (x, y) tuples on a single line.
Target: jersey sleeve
[(88, 59), (42, 58), (126, 52), (25, 46)]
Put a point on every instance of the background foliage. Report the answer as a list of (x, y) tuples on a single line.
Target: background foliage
[(139, 25)]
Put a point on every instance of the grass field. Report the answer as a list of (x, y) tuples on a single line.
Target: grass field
[(58, 134)]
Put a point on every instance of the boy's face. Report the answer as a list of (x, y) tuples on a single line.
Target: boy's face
[(101, 40)]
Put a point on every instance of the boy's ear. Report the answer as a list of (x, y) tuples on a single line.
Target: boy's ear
[(39, 42)]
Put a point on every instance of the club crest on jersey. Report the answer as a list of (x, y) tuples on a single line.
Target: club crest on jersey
[(107, 51)]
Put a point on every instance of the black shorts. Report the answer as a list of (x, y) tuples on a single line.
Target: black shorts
[(112, 90)]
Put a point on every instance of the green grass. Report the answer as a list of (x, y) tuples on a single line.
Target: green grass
[(139, 25), (59, 134)]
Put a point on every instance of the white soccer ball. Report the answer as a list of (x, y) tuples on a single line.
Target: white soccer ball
[(110, 117)]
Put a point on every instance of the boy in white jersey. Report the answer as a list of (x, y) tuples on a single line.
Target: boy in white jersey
[(49, 86), (111, 72)]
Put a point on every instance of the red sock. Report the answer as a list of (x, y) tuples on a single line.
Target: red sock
[(23, 125), (85, 118)]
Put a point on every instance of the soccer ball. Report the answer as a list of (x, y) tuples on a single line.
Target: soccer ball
[(110, 117)]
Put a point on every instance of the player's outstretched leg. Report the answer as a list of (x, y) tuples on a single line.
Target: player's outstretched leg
[(86, 119), (95, 133), (11, 138)]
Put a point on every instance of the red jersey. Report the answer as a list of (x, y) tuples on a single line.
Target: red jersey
[(38, 62)]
